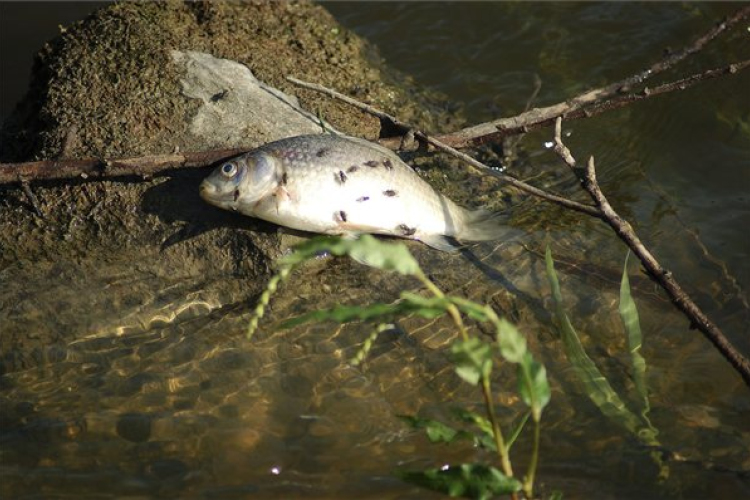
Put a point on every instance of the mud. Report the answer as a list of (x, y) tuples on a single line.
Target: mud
[(108, 87)]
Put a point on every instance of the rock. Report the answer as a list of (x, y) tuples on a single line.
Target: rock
[(133, 256), (236, 109)]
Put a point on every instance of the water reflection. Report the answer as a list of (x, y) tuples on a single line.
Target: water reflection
[(186, 406)]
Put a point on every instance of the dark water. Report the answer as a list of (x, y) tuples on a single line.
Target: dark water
[(172, 402), (24, 28), (684, 153)]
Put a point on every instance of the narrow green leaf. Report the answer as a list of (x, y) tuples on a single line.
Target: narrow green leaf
[(311, 249), (471, 417), (597, 387), (345, 314), (475, 481), (632, 324), (473, 359), (419, 301)]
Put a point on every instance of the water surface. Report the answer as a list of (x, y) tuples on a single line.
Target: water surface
[(161, 396)]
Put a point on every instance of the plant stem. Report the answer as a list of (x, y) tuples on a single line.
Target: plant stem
[(265, 298), (528, 483), (502, 450), (497, 433), (452, 309)]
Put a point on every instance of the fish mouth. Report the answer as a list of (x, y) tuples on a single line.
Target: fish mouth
[(207, 191), (210, 193)]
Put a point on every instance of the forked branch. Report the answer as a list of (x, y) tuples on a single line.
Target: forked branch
[(663, 277)]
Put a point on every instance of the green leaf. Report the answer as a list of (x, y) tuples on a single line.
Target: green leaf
[(473, 359), (471, 417), (466, 480), (533, 386), (387, 256), (556, 495), (471, 309), (632, 324), (430, 303), (437, 432), (345, 314), (312, 248), (512, 343), (365, 249), (597, 387), (486, 439)]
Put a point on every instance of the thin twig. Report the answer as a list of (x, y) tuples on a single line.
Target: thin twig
[(32, 199), (573, 108), (481, 167), (664, 278), (510, 143), (624, 100)]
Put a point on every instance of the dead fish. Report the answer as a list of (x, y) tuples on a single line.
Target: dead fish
[(342, 185)]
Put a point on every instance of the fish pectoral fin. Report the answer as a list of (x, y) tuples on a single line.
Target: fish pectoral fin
[(438, 242), (354, 228)]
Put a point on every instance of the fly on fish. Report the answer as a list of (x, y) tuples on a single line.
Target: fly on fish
[(342, 185)]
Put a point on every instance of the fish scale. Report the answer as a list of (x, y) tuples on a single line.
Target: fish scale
[(335, 184)]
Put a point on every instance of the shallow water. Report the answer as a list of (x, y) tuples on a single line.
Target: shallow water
[(160, 395)]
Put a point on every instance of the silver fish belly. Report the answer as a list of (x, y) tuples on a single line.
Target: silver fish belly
[(335, 184)]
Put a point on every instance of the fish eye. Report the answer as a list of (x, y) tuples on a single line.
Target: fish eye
[(229, 169)]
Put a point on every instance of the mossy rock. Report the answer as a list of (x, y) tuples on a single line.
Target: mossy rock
[(108, 87)]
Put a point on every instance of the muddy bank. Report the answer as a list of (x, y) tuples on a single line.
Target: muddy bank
[(110, 87)]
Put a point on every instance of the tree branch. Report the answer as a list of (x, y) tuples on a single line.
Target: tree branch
[(578, 106), (148, 166), (144, 166), (664, 278), (543, 117)]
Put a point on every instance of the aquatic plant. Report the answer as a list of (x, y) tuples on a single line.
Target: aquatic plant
[(474, 359), (595, 384)]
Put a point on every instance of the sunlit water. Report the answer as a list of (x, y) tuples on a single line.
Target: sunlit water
[(163, 397)]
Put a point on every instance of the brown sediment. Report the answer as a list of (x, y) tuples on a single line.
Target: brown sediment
[(107, 87)]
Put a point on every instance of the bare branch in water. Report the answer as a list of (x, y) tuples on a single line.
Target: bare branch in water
[(664, 278)]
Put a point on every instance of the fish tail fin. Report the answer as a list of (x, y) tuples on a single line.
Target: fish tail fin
[(481, 225)]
